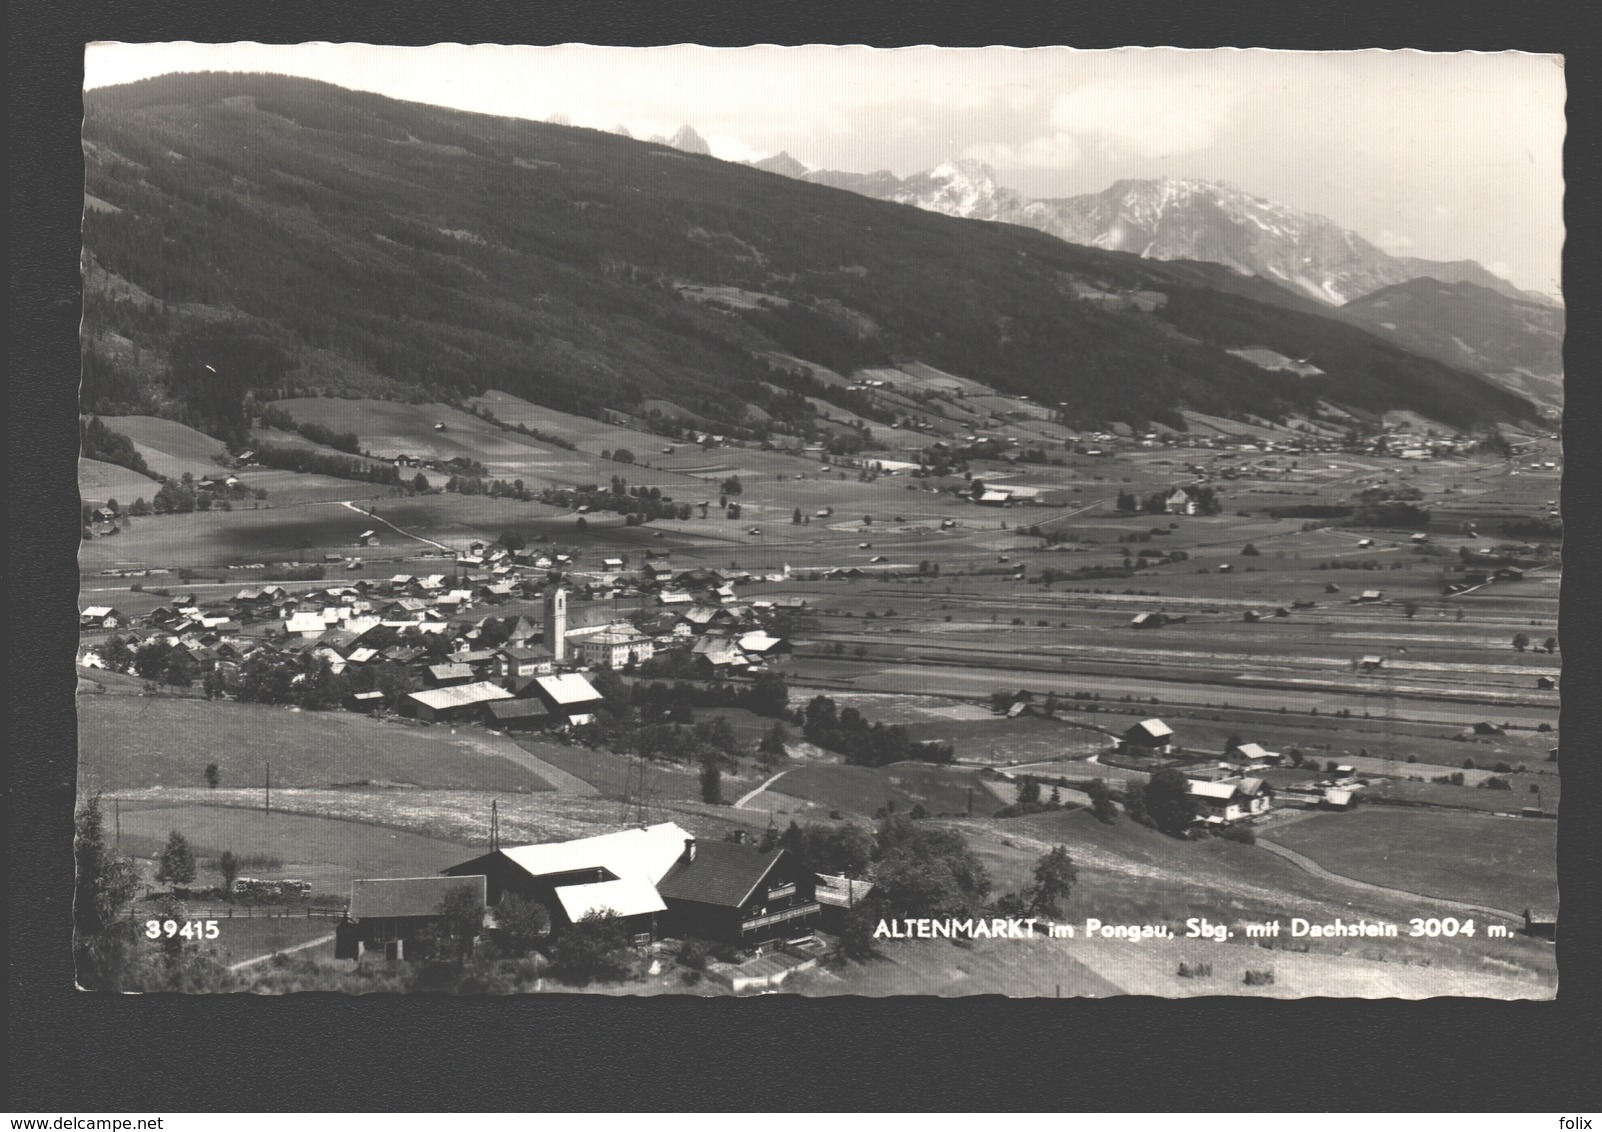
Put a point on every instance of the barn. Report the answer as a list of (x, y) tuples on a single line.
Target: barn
[(1150, 736), (386, 916), (447, 705)]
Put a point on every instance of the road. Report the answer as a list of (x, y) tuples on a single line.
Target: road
[(310, 943), (393, 527), (744, 798)]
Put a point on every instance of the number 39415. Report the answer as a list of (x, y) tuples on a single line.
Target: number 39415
[(188, 929)]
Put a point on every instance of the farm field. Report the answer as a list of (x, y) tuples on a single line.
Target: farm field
[(1504, 862), (128, 742), (860, 791)]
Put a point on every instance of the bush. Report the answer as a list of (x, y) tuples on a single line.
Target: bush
[(1195, 970), (1244, 834), (1260, 978), (1496, 784)]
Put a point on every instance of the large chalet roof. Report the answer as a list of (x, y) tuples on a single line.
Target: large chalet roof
[(567, 689), (503, 711), (722, 873), (629, 896), (407, 896), (460, 695), (1156, 728), (645, 853)]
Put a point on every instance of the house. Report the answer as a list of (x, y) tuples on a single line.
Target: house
[(616, 872), (386, 917), (305, 625), (447, 705), (1486, 728), (368, 538), (763, 645), (615, 647), (1255, 755), (1180, 502), (720, 654), (1148, 620), (527, 714), (1370, 662), (1546, 683), (99, 617), (1231, 799), (449, 674), (1151, 737), (1368, 597), (570, 697), (364, 701), (519, 661), (732, 893)]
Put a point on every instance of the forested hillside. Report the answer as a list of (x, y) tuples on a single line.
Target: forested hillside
[(251, 237)]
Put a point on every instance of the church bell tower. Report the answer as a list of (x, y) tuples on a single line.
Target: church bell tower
[(556, 621)]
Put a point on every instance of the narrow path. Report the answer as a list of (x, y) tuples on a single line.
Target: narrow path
[(319, 941), (740, 805), (561, 781), (1307, 864), (393, 527)]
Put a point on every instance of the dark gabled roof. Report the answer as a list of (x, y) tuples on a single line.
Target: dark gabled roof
[(407, 896), (722, 873), (502, 710)]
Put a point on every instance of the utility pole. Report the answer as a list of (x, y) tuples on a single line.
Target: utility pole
[(267, 801), (495, 826), (116, 808)]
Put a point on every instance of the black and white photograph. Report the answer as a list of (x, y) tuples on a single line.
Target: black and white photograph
[(819, 520)]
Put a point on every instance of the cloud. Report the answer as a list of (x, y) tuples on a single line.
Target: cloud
[(1146, 120), (728, 148), (1050, 151), (1393, 241)]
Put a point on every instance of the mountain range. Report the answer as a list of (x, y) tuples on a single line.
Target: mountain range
[(251, 236), (1178, 219)]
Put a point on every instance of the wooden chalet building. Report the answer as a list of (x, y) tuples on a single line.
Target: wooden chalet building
[(1231, 799), (527, 714), (732, 893), (386, 916)]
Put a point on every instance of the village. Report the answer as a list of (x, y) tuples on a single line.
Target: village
[(677, 708)]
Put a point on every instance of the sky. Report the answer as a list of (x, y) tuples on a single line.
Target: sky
[(1440, 155)]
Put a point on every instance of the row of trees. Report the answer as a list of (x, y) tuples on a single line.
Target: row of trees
[(847, 732)]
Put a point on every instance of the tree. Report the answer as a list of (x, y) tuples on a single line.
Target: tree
[(1055, 877), (524, 922), (582, 524), (140, 507), (795, 516), (1101, 803), (1411, 609), (773, 743), (1232, 744), (1521, 641), (594, 949), (511, 540), (105, 885), (928, 871), (711, 779), (623, 456), (213, 775), (1550, 644), (1169, 802), (461, 918), (177, 861), (1250, 551), (1028, 790), (228, 870)]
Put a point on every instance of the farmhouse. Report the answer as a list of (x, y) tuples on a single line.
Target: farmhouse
[(1151, 737), (729, 892), (1254, 755), (386, 917), (1231, 799), (99, 617), (368, 538), (518, 661), (1180, 502), (448, 675), (459, 702), (613, 871)]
